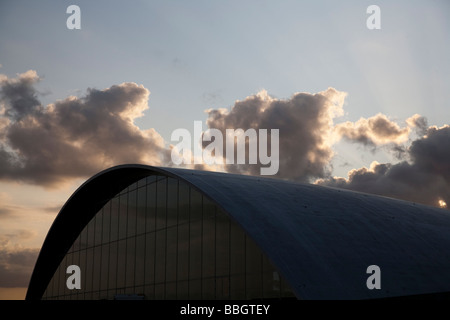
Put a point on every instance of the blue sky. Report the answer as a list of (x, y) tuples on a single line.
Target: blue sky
[(196, 55), (201, 54), (206, 54)]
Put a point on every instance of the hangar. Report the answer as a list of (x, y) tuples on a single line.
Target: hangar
[(147, 232)]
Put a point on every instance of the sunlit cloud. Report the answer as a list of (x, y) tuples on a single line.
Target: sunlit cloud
[(305, 123), (74, 137), (374, 131), (424, 177)]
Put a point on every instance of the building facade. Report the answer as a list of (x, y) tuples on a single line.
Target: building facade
[(145, 232), (159, 238)]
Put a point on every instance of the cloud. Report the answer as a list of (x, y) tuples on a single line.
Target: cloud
[(305, 123), (73, 137), (16, 263), (419, 123), (375, 131), (77, 137), (7, 209), (19, 94), (425, 178), (16, 267), (52, 209)]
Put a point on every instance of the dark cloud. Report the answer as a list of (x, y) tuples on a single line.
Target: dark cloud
[(5, 212), (304, 122), (19, 94), (74, 137), (16, 263), (16, 267), (431, 154), (425, 178)]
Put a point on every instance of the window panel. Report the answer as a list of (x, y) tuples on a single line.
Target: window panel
[(208, 248), (209, 242), (172, 202), (132, 186), (83, 269), (141, 209), (130, 261), (151, 179), (113, 263), (149, 292), (171, 255), (131, 217), (61, 276), (270, 280), (196, 207), (75, 245), (83, 238), (97, 268), (195, 289), (170, 291), (104, 266), (237, 262), (222, 288), (91, 233), (183, 252), (151, 207), (123, 203), (182, 290), (209, 208), (106, 222), (50, 287), (139, 277), (161, 198), (253, 267), (114, 232), (121, 263), (208, 288), (160, 291), (95, 295), (88, 274), (68, 262), (150, 258), (195, 250), (160, 257), (142, 182), (98, 227), (222, 255), (183, 202), (223, 244)]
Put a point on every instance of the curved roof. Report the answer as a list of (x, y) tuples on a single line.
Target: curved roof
[(320, 239)]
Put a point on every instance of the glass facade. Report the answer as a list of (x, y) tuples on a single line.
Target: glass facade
[(162, 239)]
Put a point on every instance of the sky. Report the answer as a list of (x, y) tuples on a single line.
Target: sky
[(357, 108)]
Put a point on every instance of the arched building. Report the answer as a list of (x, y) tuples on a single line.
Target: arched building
[(165, 233)]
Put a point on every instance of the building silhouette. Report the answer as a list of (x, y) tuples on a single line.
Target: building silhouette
[(143, 232)]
